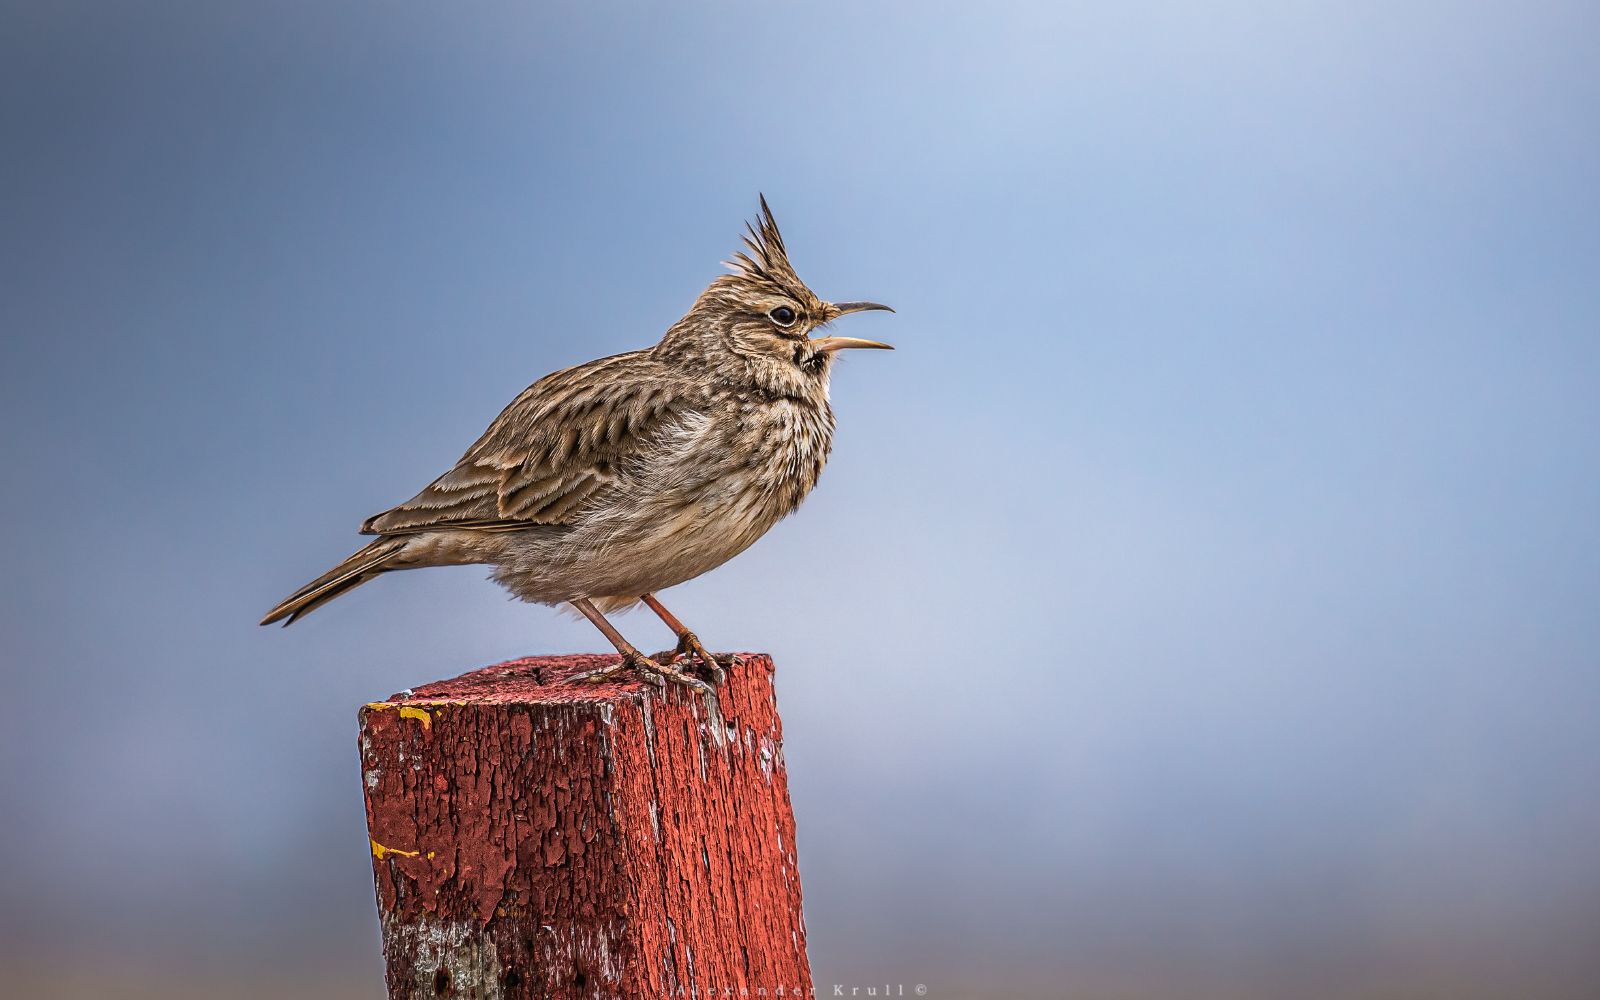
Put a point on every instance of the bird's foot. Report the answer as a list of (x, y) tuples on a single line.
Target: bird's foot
[(647, 669), (704, 663)]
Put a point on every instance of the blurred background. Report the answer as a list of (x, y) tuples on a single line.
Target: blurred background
[(1202, 602)]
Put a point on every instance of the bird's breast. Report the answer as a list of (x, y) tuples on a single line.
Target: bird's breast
[(709, 487), (724, 481), (779, 449)]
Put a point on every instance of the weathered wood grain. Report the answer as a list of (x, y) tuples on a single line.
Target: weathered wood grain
[(538, 839)]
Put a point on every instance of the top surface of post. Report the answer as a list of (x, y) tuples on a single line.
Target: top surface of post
[(542, 680)]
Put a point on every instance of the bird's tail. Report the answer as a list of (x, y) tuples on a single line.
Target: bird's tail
[(348, 575)]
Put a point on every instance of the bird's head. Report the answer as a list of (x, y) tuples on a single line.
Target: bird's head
[(766, 316)]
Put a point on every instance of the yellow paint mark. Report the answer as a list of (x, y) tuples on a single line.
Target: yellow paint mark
[(420, 714), (378, 851), (406, 712)]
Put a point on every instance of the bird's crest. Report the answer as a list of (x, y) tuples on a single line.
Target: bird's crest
[(767, 259)]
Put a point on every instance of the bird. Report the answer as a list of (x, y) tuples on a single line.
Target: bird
[(603, 484)]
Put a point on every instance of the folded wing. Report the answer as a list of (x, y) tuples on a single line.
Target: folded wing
[(559, 446)]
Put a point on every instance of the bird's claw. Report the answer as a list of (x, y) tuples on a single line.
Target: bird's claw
[(678, 675), (648, 670), (711, 672), (604, 674), (716, 667), (703, 662)]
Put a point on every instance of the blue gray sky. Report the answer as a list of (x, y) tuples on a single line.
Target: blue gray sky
[(1200, 602)]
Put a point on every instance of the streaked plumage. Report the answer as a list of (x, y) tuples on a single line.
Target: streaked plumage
[(608, 481)]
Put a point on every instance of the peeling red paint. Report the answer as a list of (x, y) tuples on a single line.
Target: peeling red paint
[(539, 839)]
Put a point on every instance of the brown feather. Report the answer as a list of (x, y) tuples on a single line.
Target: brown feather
[(632, 473), (352, 573), (552, 450)]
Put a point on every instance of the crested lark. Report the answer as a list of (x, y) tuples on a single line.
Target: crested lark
[(602, 484)]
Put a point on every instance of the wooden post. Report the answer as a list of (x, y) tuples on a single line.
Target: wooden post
[(532, 838)]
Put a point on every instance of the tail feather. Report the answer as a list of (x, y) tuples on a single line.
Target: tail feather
[(352, 573)]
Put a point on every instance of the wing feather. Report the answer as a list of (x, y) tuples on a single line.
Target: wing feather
[(559, 446)]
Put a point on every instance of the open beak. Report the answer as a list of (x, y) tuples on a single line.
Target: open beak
[(827, 345), (841, 308)]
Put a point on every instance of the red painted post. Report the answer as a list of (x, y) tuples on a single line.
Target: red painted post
[(538, 839)]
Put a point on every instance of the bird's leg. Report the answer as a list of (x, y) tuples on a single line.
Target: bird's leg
[(632, 659), (688, 642)]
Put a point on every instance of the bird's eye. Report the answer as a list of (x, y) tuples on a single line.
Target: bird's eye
[(782, 315)]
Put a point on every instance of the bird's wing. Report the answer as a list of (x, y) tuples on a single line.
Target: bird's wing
[(566, 438)]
